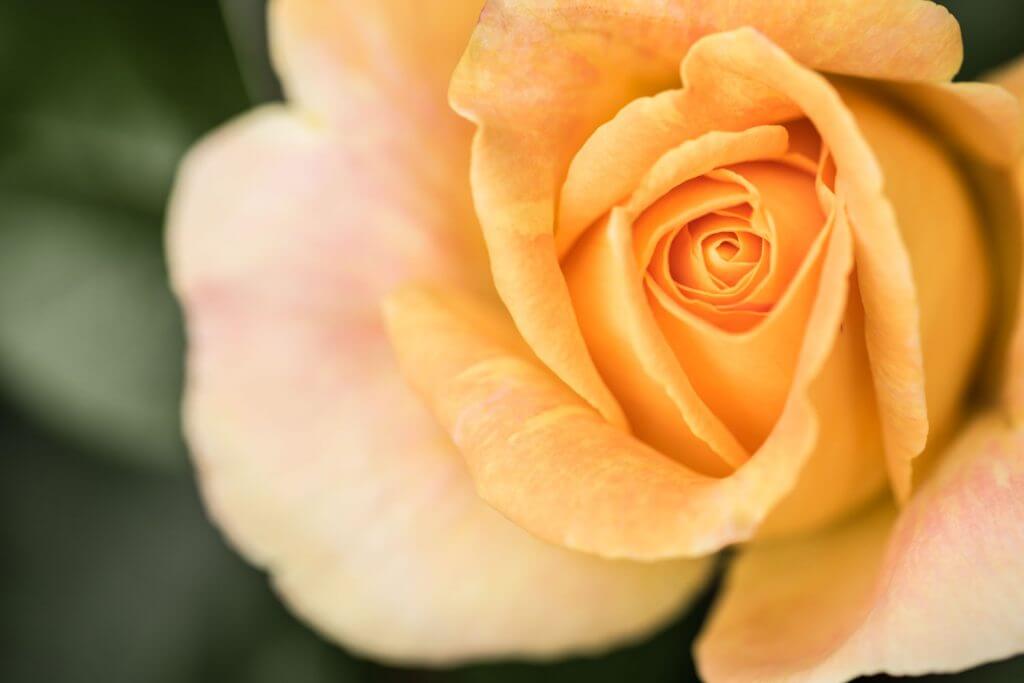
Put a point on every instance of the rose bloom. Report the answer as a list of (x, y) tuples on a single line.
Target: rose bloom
[(508, 322)]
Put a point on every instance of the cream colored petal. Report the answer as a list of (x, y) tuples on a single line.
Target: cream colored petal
[(936, 590), (315, 457), (333, 56), (324, 48)]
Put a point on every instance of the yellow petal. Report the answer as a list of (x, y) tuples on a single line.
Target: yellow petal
[(548, 462), (936, 590), (539, 77), (315, 457)]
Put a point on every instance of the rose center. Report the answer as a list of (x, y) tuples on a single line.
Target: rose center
[(718, 251), (725, 245)]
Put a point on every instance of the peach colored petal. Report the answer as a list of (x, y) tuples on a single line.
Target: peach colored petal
[(399, 54), (1011, 78), (613, 312), (745, 375), (884, 276), (983, 123), (545, 459), (1006, 200), (936, 590), (324, 48), (540, 75), (315, 457), (846, 467), (942, 226), (733, 80), (613, 162)]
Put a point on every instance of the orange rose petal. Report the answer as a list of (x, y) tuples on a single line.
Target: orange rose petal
[(634, 360), (773, 84), (538, 78), (883, 267), (1005, 200), (897, 42), (606, 288), (1010, 77), (745, 377), (619, 154), (980, 119), (631, 352), (547, 461), (943, 227), (846, 468), (936, 590), (315, 456)]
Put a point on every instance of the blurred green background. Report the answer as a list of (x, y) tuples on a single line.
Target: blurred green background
[(110, 571)]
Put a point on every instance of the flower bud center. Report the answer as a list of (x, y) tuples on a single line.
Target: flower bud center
[(726, 245)]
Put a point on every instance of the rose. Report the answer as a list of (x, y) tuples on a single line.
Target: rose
[(742, 305)]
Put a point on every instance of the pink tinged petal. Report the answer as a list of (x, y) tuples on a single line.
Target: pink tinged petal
[(359, 67), (323, 49), (936, 590), (314, 456)]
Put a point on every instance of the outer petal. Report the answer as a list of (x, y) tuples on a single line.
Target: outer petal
[(314, 455), (402, 53), (1011, 77), (938, 590), (540, 75), (407, 46)]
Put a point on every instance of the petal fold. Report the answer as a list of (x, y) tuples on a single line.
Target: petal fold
[(1006, 199), (314, 455), (539, 76), (935, 590), (546, 460)]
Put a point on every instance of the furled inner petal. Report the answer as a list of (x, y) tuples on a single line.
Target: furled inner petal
[(724, 262), (716, 257), (615, 316)]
